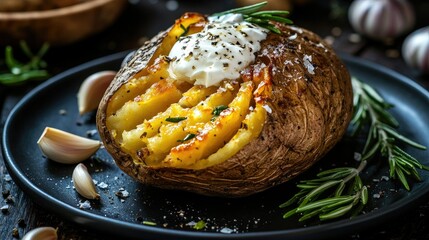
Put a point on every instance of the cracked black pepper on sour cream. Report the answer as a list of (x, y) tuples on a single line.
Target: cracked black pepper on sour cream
[(225, 46)]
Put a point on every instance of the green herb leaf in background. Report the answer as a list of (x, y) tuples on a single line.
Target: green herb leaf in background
[(18, 72)]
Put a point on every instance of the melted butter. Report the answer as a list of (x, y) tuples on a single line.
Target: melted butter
[(225, 46)]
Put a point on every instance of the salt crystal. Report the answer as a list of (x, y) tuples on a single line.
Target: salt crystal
[(307, 63), (122, 193), (299, 30), (91, 133), (62, 112), (288, 62), (5, 208), (226, 230), (102, 185), (84, 205), (385, 178), (191, 223), (267, 108), (293, 37), (7, 178)]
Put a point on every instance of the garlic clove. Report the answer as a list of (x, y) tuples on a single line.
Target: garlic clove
[(83, 183), (45, 233), (92, 89), (64, 147)]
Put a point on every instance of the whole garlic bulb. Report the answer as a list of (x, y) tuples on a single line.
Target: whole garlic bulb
[(415, 50), (381, 19)]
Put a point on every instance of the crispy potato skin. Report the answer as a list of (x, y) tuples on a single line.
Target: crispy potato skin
[(310, 114)]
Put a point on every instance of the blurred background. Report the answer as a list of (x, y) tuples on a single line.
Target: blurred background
[(82, 34)]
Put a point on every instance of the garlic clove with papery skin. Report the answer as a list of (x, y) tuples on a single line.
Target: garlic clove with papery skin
[(64, 147), (83, 182), (381, 19), (92, 89), (45, 233)]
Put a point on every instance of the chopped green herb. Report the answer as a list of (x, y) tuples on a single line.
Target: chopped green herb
[(217, 110), (149, 223), (200, 225), (185, 30), (175, 119), (188, 137)]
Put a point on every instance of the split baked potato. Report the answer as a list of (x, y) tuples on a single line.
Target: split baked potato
[(286, 111)]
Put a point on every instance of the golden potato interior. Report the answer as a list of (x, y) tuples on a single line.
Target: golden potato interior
[(166, 123)]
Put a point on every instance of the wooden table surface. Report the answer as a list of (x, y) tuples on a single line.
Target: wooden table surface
[(143, 19)]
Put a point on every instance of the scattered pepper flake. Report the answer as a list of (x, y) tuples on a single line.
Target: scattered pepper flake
[(15, 233), (5, 193), (122, 193)]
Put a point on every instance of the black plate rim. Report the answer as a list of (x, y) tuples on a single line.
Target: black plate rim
[(93, 220)]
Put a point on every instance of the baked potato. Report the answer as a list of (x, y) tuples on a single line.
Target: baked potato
[(284, 112)]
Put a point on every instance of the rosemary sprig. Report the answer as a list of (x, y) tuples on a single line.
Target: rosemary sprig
[(382, 136), (19, 72), (334, 193), (339, 191), (261, 18)]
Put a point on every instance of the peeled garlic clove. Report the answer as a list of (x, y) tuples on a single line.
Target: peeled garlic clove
[(92, 90), (45, 233), (83, 183), (64, 147)]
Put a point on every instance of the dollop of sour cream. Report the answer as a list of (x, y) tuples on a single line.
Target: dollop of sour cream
[(225, 46)]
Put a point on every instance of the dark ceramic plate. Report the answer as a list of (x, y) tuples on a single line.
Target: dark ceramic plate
[(49, 183)]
